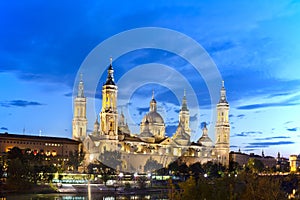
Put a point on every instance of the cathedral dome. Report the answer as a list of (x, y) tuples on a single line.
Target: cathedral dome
[(153, 117), (204, 139)]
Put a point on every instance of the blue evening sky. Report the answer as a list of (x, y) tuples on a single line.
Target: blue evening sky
[(254, 44)]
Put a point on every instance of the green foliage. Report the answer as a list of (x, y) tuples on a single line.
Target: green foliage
[(75, 159), (255, 165), (245, 186), (26, 169), (100, 168)]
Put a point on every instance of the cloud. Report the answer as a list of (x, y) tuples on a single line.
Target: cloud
[(4, 128), (279, 94), (265, 105), (267, 144), (19, 103), (142, 110), (246, 133), (246, 149), (275, 137), (292, 129), (241, 116), (220, 46), (194, 118)]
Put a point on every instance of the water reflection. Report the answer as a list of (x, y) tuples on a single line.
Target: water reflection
[(81, 197)]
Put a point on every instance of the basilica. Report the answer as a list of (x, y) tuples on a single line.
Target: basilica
[(112, 142)]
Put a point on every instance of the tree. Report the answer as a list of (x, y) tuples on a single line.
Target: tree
[(255, 165), (26, 168), (100, 168), (111, 158), (152, 165), (141, 181), (213, 169), (75, 159)]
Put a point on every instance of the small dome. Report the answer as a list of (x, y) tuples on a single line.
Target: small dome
[(153, 117), (205, 140)]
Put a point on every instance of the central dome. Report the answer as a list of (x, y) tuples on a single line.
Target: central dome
[(153, 117), (154, 122)]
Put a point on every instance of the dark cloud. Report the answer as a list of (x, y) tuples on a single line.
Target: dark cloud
[(4, 128), (260, 85), (241, 116), (279, 94), (220, 46), (233, 146), (275, 137), (267, 144), (247, 133), (70, 94), (231, 115), (265, 105), (249, 150), (142, 110), (194, 118), (292, 129), (19, 103)]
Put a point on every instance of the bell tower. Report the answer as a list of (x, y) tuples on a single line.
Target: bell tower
[(79, 122), (222, 130), (109, 113), (184, 116)]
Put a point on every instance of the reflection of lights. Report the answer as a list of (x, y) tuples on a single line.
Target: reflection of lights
[(121, 175), (235, 175), (205, 175), (135, 174), (149, 175)]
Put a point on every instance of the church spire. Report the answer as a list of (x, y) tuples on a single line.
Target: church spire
[(153, 103), (184, 103), (223, 94), (110, 74), (80, 88)]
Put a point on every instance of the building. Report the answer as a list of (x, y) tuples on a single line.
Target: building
[(56, 148), (294, 163), (112, 134), (243, 158)]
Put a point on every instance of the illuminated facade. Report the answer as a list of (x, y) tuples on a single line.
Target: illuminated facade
[(111, 133), (55, 149), (79, 123), (222, 129)]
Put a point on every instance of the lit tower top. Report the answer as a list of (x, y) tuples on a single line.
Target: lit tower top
[(153, 103), (184, 115), (223, 94), (110, 74), (184, 103), (80, 93)]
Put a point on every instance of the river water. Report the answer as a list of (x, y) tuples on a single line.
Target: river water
[(97, 196)]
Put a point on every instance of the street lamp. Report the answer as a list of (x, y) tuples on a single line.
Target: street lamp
[(121, 176), (150, 178), (135, 175)]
